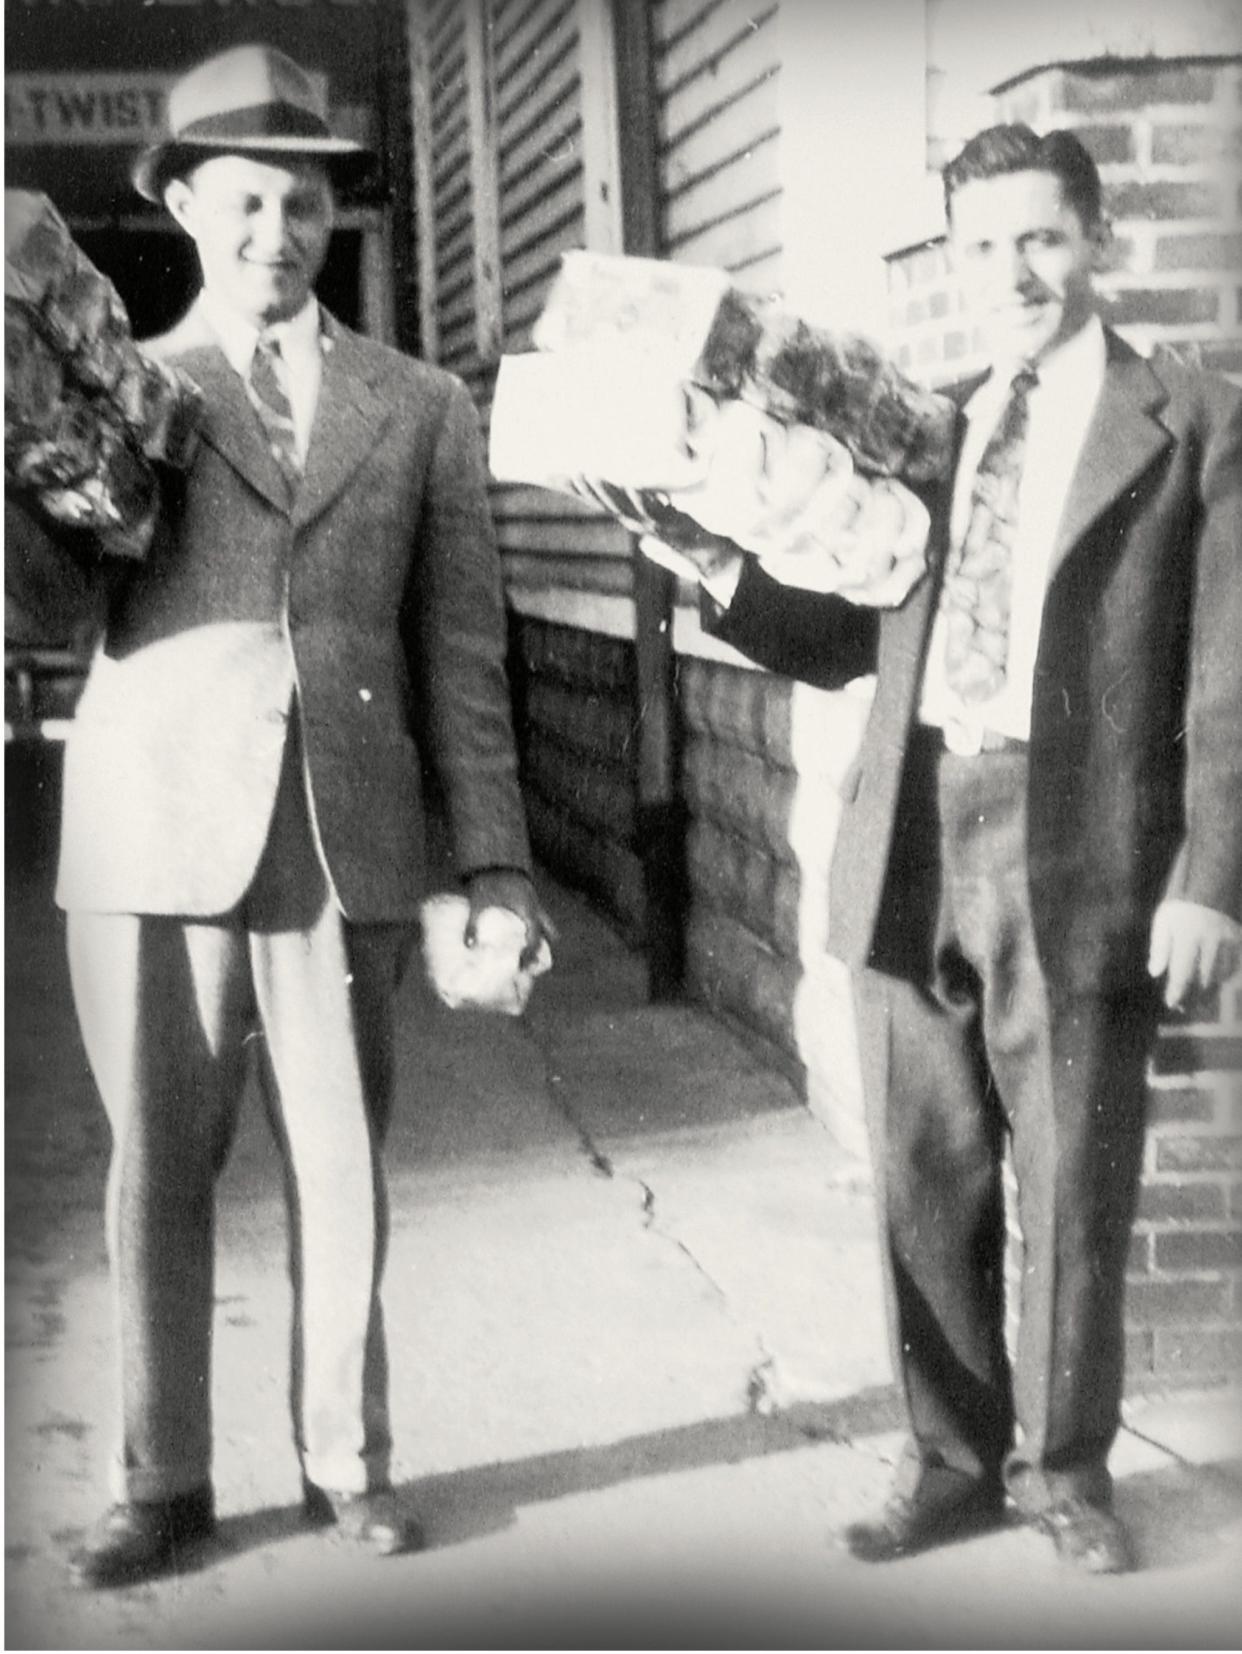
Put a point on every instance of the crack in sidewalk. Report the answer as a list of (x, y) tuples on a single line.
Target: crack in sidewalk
[(765, 1389), (757, 1386)]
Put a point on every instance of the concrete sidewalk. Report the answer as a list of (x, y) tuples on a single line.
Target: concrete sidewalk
[(638, 1359)]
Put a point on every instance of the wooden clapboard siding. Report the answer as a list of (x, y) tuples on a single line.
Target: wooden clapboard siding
[(546, 539), (452, 203), (569, 527), (538, 105), (737, 241), (717, 74), (605, 576)]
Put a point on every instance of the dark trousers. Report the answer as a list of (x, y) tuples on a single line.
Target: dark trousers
[(167, 1007), (965, 1044)]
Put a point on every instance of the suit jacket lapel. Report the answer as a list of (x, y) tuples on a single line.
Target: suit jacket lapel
[(1123, 439), (229, 422), (351, 413)]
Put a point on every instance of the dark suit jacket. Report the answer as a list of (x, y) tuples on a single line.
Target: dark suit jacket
[(376, 596), (1136, 736)]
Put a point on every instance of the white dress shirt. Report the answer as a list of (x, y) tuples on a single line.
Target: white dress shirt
[(1061, 405), (302, 345)]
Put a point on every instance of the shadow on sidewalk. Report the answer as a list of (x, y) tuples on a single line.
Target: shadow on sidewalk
[(1180, 1514), (465, 1504)]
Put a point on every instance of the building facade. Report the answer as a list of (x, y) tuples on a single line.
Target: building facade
[(794, 144)]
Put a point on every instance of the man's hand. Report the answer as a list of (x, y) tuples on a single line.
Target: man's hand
[(1192, 945), (506, 887), (651, 514)]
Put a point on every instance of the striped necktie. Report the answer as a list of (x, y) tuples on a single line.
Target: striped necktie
[(978, 585), (269, 382)]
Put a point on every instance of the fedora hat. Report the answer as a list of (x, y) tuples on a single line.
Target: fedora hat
[(250, 100)]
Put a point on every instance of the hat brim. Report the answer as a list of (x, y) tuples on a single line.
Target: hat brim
[(156, 166)]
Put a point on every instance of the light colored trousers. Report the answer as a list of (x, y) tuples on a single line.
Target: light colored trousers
[(167, 1007)]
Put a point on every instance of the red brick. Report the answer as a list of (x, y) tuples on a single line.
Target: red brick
[(1169, 307), (1162, 199), (1215, 1353), (1184, 146), (1199, 1154), (1137, 89), (1198, 252), (1199, 1249), (1138, 1259), (1106, 145), (1175, 1303), (1181, 1202), (938, 305), (1180, 1102)]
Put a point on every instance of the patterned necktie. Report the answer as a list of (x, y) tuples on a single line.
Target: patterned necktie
[(978, 584), (269, 379)]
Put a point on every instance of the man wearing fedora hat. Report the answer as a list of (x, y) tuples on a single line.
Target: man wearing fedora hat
[(320, 614)]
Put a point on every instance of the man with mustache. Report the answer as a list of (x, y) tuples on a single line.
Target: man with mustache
[(1043, 819)]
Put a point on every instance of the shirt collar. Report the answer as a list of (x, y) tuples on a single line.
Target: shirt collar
[(238, 337), (1073, 367)]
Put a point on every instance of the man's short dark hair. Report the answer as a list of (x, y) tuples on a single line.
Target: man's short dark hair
[(1003, 149)]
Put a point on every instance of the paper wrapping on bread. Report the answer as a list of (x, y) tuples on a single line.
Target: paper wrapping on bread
[(705, 405)]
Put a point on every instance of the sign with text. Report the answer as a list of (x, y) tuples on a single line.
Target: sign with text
[(88, 108), (84, 108), (183, 5)]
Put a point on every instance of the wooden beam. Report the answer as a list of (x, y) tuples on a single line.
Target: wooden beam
[(424, 181), (601, 128), (484, 183), (661, 809)]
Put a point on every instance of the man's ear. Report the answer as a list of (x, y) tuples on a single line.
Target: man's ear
[(1101, 238), (179, 199)]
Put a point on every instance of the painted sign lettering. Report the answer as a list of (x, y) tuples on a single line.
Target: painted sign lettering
[(83, 108)]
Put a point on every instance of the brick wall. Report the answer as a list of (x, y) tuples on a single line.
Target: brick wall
[(575, 707), (576, 713), (1184, 1298), (1166, 136), (744, 882)]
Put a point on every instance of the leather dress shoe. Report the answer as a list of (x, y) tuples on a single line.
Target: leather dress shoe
[(373, 1522), (143, 1538), (1087, 1536), (940, 1508)]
